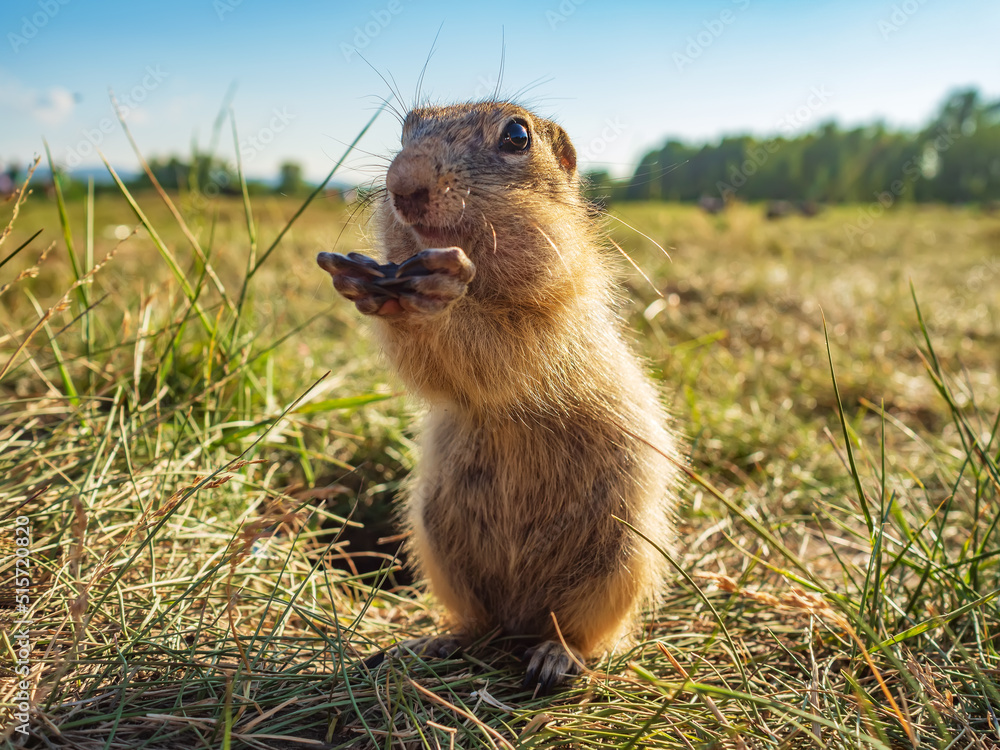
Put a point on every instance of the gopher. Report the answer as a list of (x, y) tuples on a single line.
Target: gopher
[(495, 302)]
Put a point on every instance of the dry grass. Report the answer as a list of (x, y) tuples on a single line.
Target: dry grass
[(194, 454)]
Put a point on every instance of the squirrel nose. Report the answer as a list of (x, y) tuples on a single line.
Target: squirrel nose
[(413, 206), (409, 179)]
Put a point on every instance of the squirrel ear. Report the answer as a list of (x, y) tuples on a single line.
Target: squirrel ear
[(563, 149)]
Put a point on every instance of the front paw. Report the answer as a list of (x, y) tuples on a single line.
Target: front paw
[(425, 284), (431, 280), (356, 277)]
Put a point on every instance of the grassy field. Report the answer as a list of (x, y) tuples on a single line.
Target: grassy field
[(203, 448)]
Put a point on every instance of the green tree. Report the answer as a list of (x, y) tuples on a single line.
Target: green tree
[(291, 181), (955, 158)]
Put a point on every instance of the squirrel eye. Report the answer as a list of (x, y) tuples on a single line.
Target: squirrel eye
[(515, 137)]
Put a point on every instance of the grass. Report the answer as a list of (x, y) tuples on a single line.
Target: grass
[(197, 430)]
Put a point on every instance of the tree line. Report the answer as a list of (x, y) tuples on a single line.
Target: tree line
[(955, 158)]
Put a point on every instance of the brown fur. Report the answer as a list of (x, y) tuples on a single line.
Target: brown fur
[(540, 418)]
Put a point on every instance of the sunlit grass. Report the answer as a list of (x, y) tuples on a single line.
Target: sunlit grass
[(196, 427)]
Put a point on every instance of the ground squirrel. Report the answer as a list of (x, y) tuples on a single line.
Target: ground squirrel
[(494, 299)]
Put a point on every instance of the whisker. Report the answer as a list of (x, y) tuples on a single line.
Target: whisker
[(516, 96), (503, 56), (386, 104), (572, 276), (622, 221), (362, 152), (350, 222), (504, 192), (493, 229), (423, 70), (391, 86), (368, 169), (636, 266)]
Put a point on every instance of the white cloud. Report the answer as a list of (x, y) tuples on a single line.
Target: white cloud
[(52, 106)]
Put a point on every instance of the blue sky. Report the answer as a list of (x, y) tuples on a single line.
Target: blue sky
[(620, 76)]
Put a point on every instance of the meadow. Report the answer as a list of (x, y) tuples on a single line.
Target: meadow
[(204, 449)]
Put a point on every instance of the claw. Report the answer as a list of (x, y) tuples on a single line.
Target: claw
[(550, 665), (367, 296), (425, 284), (375, 659), (334, 263), (433, 646), (413, 267), (391, 284), (355, 288), (447, 260), (363, 260), (428, 647)]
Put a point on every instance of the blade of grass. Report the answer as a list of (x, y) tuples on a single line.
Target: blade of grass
[(192, 240), (165, 252), (319, 188), (64, 223)]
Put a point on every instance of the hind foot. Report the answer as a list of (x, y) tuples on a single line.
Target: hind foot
[(550, 665), (427, 647)]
